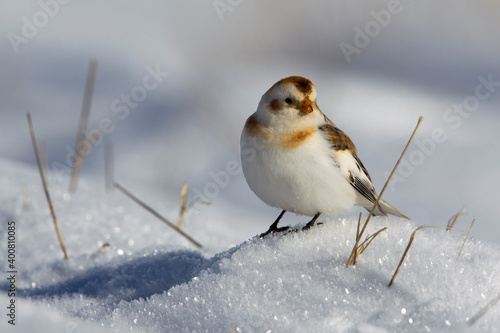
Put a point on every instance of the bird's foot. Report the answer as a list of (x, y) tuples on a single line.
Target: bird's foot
[(311, 223), (309, 226), (273, 230)]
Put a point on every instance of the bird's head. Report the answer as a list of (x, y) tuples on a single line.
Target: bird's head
[(290, 101)]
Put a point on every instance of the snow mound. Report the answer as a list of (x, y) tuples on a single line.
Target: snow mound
[(299, 283), (150, 281)]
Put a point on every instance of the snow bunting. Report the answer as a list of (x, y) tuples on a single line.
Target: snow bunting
[(296, 159)]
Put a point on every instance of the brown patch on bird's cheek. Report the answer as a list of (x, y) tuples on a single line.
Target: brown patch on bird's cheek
[(254, 127), (298, 138), (275, 105)]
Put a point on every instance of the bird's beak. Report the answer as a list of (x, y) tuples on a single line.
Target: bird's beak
[(306, 107)]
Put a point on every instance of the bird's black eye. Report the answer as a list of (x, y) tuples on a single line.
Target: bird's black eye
[(288, 100)]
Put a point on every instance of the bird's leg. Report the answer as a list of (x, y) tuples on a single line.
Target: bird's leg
[(311, 223), (274, 227)]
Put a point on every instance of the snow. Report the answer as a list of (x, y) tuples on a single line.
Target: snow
[(187, 129), (149, 279)]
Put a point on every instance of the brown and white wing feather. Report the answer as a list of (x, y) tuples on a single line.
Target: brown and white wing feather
[(354, 170)]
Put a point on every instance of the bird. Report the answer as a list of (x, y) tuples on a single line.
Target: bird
[(296, 159)]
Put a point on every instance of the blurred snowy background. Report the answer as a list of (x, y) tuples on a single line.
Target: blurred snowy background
[(411, 58), (175, 84)]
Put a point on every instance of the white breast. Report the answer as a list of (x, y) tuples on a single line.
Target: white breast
[(304, 180)]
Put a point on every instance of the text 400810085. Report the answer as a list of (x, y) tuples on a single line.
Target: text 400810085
[(11, 277)]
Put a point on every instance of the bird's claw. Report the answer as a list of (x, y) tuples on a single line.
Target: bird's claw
[(272, 231)]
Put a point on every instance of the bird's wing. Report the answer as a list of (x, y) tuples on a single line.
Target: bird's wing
[(349, 163), (345, 156)]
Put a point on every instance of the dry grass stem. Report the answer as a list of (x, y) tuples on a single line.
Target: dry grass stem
[(103, 246), (182, 204), (359, 227), (483, 311), (466, 236), (185, 207), (354, 253), (109, 165), (44, 183), (454, 219), (94, 136), (362, 247), (156, 214), (408, 248), (83, 123)]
